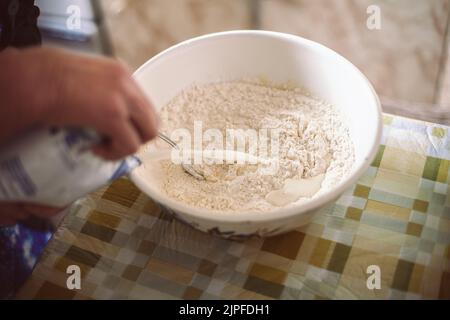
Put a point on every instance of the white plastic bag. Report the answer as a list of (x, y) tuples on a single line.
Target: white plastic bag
[(55, 167)]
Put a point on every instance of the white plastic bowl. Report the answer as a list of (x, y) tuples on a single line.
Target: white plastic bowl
[(280, 58)]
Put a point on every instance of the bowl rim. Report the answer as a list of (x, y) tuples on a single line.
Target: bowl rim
[(282, 212)]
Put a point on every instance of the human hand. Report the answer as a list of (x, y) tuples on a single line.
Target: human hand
[(51, 87), (11, 212)]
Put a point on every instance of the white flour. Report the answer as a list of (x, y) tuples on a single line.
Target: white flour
[(314, 143)]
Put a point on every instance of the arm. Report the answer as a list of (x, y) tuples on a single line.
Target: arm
[(45, 87)]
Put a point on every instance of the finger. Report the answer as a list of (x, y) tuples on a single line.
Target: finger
[(8, 208), (120, 138), (124, 140), (6, 221), (21, 214), (10, 213), (40, 211), (142, 113), (12, 209)]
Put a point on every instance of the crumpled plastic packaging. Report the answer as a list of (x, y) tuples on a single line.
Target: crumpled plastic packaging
[(54, 167)]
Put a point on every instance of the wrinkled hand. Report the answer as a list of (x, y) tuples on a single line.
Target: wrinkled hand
[(46, 87), (41, 87)]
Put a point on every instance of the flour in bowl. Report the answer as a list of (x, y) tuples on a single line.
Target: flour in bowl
[(314, 149)]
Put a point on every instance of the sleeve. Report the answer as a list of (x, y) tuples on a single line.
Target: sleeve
[(18, 23)]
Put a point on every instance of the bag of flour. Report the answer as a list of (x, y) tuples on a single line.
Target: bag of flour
[(54, 167)]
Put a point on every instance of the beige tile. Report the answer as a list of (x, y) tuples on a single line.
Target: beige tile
[(350, 284), (381, 208), (404, 162), (397, 183), (401, 60), (140, 29)]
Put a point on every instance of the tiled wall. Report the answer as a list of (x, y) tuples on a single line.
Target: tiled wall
[(405, 59), (401, 59), (140, 29)]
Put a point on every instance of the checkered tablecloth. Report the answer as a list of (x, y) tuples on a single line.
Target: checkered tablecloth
[(397, 217)]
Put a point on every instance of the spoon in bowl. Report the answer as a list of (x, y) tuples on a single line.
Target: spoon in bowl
[(216, 155), (186, 167)]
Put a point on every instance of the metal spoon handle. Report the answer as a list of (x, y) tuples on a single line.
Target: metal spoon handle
[(162, 136), (187, 167)]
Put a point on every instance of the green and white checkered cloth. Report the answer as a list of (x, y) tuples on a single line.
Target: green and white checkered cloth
[(397, 217)]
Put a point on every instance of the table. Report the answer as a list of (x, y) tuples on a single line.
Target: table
[(396, 218)]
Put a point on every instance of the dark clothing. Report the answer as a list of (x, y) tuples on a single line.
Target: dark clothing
[(18, 23)]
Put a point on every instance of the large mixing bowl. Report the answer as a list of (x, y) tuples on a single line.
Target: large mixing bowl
[(280, 58)]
